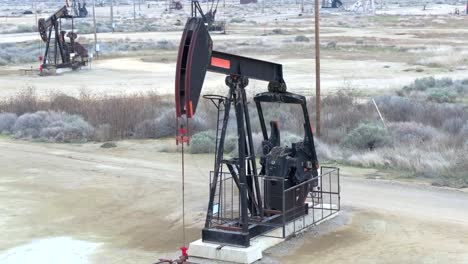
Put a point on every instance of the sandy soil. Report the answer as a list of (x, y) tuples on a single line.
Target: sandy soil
[(126, 200)]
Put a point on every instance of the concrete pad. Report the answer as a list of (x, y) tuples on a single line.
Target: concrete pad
[(200, 249), (233, 254)]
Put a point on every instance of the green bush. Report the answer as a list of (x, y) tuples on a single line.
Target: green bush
[(421, 84), (441, 95), (443, 82), (237, 20), (203, 142), (25, 29), (84, 28), (279, 31), (444, 90), (301, 38), (367, 136)]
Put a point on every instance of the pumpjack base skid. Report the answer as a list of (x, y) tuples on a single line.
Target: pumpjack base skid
[(226, 234)]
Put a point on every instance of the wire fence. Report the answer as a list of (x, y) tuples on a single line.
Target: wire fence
[(287, 210)]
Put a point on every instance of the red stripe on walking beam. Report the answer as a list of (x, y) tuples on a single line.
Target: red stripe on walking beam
[(221, 63)]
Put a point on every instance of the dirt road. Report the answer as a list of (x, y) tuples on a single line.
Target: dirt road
[(126, 202)]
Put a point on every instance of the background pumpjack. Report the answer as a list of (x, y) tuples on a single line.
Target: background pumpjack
[(60, 53)]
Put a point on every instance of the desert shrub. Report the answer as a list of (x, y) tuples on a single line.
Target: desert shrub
[(203, 142), (324, 151), (279, 31), (14, 53), (301, 38), (29, 125), (444, 90), (103, 133), (368, 160), (103, 27), (367, 136), (7, 121), (287, 139), (453, 125), (428, 161), (441, 95), (403, 109), (52, 127), (65, 103), (464, 131), (331, 45), (84, 28), (66, 128), (460, 87), (3, 61), (165, 45), (342, 112), (231, 144), (455, 178), (25, 101), (421, 84), (443, 82), (121, 112), (117, 47), (145, 129), (237, 20), (412, 133), (456, 174), (24, 29), (165, 126)]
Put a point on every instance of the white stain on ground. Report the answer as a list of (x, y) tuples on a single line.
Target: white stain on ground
[(57, 250)]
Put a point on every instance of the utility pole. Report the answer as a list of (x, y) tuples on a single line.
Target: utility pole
[(134, 13), (36, 23), (317, 68), (112, 13), (95, 29), (35, 11)]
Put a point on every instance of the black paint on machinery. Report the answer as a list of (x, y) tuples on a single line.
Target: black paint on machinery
[(269, 196)]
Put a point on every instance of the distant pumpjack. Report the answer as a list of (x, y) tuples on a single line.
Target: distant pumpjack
[(209, 18), (78, 8), (332, 4), (58, 52), (177, 5)]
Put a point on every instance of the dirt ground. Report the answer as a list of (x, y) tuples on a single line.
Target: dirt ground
[(126, 200)]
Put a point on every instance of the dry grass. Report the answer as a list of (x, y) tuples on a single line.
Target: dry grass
[(427, 139), (122, 112)]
